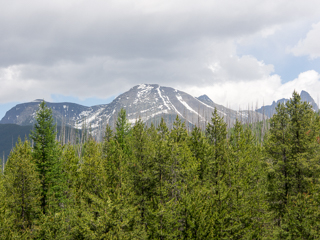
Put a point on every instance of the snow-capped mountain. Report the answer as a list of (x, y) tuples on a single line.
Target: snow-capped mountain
[(68, 113), (149, 102)]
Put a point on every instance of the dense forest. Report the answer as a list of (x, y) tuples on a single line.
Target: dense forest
[(151, 182)]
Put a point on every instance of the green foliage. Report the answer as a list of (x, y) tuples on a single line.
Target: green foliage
[(292, 148), (122, 129), (154, 183), (198, 145), (46, 155), (20, 190)]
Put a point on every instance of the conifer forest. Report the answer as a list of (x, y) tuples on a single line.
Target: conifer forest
[(156, 182)]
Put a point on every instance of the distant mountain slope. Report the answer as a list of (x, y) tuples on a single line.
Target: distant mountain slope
[(23, 114), (269, 110), (9, 134), (146, 101), (244, 115), (151, 101)]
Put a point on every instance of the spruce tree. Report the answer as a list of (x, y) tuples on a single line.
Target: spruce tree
[(216, 177), (160, 224), (20, 195), (46, 156), (141, 171), (291, 148), (122, 129), (246, 184), (198, 145)]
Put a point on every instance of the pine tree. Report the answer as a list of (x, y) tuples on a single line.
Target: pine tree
[(141, 174), (291, 147), (216, 177), (46, 155), (198, 145), (57, 223), (20, 195), (246, 184), (159, 221), (216, 134), (122, 129)]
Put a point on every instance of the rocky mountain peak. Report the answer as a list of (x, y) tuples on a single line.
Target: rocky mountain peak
[(305, 96), (205, 98), (269, 110), (149, 102)]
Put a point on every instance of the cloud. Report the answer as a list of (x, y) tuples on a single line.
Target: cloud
[(235, 68), (254, 94), (102, 48), (310, 45), (43, 33), (104, 76)]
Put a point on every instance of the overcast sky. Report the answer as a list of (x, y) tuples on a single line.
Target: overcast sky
[(239, 53)]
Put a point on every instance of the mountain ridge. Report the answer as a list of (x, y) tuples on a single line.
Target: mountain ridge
[(146, 101), (269, 110)]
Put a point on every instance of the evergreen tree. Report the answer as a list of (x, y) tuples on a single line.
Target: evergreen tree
[(291, 148), (216, 178), (122, 129), (246, 184), (159, 221), (20, 195), (46, 155), (198, 145), (141, 166), (58, 224)]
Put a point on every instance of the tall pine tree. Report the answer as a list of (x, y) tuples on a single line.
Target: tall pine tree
[(46, 156), (21, 195), (291, 147)]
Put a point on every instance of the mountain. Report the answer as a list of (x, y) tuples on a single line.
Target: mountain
[(149, 102), (11, 132), (242, 115), (306, 97), (9, 136), (23, 114), (269, 110)]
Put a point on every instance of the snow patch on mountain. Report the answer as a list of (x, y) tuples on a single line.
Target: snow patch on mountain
[(144, 92), (174, 108), (145, 101), (160, 95), (178, 96)]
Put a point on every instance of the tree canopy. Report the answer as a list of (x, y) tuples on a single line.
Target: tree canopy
[(153, 182)]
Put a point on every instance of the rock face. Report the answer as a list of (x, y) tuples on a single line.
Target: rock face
[(271, 109), (149, 102), (306, 97)]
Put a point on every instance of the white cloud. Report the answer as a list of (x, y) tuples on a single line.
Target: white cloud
[(266, 32), (203, 63), (310, 45), (102, 48), (235, 68), (254, 94), (13, 87)]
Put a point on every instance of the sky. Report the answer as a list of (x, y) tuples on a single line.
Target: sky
[(240, 53)]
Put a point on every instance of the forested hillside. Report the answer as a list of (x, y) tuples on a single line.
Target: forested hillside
[(152, 182)]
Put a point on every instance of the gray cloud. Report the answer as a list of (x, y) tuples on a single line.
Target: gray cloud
[(101, 48)]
